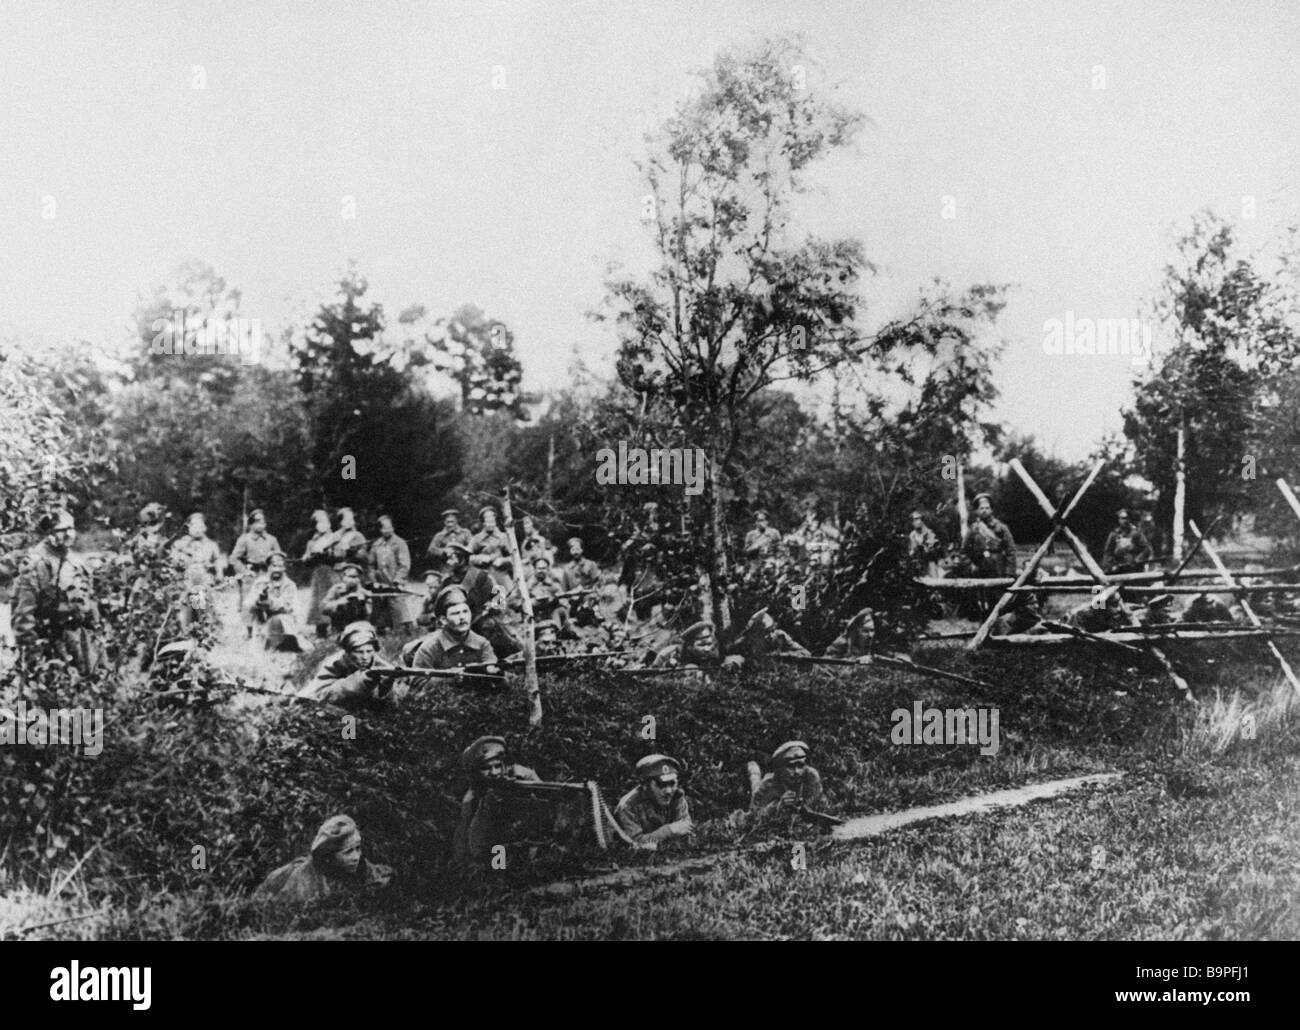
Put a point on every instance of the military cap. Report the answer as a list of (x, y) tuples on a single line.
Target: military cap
[(178, 649), (1123, 512), (335, 834), (255, 514), (481, 752), (983, 497), (448, 596), (547, 624), (759, 618), (450, 511), (485, 509), (58, 519), (542, 557), (790, 750), (860, 618), (276, 554), (654, 766), (344, 566), (1160, 600), (196, 516), (692, 632), (432, 574), (573, 540), (760, 514), (355, 634), (151, 513)]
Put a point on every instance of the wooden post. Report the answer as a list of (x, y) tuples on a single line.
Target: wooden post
[(1095, 571), (1290, 496), (531, 686), (1058, 522), (1180, 489), (962, 513), (1245, 607)]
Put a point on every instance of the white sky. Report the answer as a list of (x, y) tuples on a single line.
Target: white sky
[(517, 199)]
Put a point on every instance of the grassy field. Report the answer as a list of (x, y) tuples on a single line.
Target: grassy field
[(1199, 840)]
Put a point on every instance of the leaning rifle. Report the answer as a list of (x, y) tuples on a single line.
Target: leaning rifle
[(823, 819), (892, 661)]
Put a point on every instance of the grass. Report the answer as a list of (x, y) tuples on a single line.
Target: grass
[(1201, 840)]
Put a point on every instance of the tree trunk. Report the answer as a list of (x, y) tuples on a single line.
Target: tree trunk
[(1180, 491), (717, 551), (531, 686)]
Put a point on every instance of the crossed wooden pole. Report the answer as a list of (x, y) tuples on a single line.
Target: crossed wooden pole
[(1058, 517)]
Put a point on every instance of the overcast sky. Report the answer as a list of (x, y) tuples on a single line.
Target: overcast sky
[(517, 199)]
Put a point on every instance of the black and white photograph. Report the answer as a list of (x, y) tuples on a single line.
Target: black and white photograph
[(561, 470)]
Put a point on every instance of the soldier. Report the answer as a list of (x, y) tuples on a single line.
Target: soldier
[(317, 557), (253, 550), (347, 602), (1127, 550), (334, 864), (923, 545), (546, 638), (989, 546), (484, 763), (54, 607), (544, 589), (760, 638), (428, 618), (250, 557), (698, 646), (792, 783), (1205, 608), (817, 541), (1100, 618), (490, 549), (581, 573), (148, 541), (198, 556), (486, 599), (329, 552), (532, 543), (274, 597), (455, 644), (858, 638), (390, 568), (657, 810), (762, 540), (346, 677), (452, 532)]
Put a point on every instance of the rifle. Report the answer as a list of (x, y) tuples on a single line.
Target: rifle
[(396, 672), (890, 660), (822, 819), (560, 659), (391, 592)]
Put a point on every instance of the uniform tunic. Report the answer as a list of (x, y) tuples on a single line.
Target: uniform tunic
[(54, 601), (640, 817), (482, 827), (441, 650), (444, 538), (769, 791), (580, 574), (991, 549), (341, 681), (341, 606), (1127, 550), (390, 566), (253, 550), (759, 543), (302, 881)]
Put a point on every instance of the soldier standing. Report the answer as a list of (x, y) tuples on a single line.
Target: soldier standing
[(486, 598), (198, 557), (390, 568), (54, 606), (582, 574), (491, 550), (989, 546), (251, 556), (763, 540), (1127, 550), (656, 810), (923, 545)]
